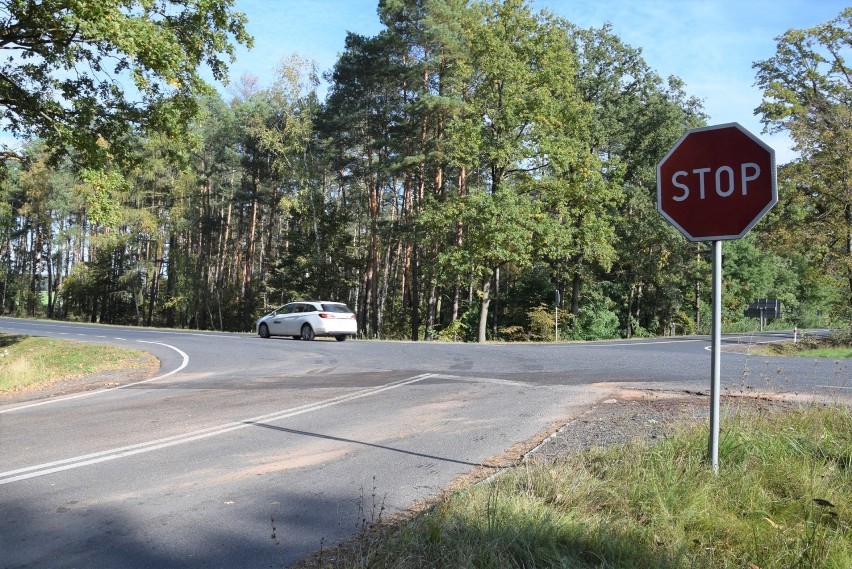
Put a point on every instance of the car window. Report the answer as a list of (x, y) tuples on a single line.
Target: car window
[(328, 307), (286, 309)]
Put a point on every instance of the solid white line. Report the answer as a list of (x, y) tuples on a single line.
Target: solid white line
[(122, 452), (184, 362), (782, 341), (53, 400), (645, 343), (481, 380)]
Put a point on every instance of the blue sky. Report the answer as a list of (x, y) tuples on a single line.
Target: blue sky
[(710, 44)]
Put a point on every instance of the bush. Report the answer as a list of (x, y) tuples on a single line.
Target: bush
[(597, 322), (542, 323), (454, 332)]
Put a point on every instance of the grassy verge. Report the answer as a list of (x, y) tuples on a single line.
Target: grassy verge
[(29, 361), (836, 353), (836, 348), (783, 498)]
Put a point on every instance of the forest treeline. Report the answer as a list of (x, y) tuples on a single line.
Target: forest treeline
[(452, 178)]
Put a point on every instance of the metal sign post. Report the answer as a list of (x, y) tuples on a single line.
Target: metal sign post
[(716, 357), (556, 325)]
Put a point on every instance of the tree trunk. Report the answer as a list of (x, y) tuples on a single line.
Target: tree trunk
[(249, 260), (575, 302), (383, 290), (459, 243), (494, 317), (638, 302), (456, 302), (51, 297), (35, 277), (171, 282), (629, 332), (483, 308), (155, 286), (415, 294), (430, 314)]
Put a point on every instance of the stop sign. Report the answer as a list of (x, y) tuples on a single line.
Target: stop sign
[(716, 182)]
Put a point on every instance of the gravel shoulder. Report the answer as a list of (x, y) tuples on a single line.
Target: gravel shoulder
[(645, 416)]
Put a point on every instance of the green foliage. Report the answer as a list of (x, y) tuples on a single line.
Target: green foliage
[(469, 161), (498, 227), (542, 323), (70, 91), (597, 319), (101, 192), (807, 93), (455, 331)]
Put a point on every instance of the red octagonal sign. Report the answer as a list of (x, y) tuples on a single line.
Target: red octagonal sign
[(716, 182)]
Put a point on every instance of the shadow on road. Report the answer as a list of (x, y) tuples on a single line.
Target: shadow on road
[(351, 441)]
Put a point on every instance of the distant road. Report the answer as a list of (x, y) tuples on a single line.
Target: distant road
[(236, 435)]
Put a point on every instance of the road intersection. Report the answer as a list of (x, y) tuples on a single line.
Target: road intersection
[(193, 466)]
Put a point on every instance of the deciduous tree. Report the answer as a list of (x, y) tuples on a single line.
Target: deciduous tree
[(85, 74), (807, 92)]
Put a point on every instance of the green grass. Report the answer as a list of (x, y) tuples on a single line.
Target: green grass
[(835, 353), (782, 499), (836, 348), (28, 361)]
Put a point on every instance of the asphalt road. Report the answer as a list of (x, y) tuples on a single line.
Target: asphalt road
[(238, 438)]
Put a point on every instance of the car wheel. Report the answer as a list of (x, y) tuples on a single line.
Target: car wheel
[(263, 331), (341, 338), (307, 332)]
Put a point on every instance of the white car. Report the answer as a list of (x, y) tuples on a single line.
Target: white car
[(307, 320)]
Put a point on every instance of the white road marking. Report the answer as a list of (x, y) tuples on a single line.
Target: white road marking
[(481, 380), (184, 363), (784, 339), (122, 452), (617, 344)]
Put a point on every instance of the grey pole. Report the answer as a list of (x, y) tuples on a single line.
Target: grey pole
[(716, 356), (556, 326), (557, 300)]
